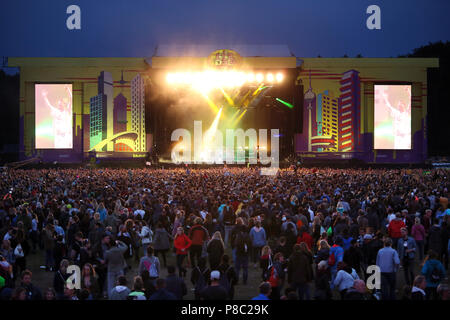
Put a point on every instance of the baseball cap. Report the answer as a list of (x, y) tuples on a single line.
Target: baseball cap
[(367, 237), (215, 275), (283, 219)]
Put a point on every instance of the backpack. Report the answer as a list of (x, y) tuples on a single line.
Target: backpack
[(224, 281), (151, 267), (273, 278), (241, 242), (331, 260), (201, 281), (435, 275)]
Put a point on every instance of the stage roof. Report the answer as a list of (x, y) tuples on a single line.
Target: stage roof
[(205, 50)]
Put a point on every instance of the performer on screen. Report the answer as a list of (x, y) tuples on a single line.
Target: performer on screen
[(62, 118), (401, 121)]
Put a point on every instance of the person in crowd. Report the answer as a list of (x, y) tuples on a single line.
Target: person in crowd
[(228, 277), (181, 243), (394, 229), (304, 237), (258, 239), (276, 276), (214, 291), (120, 291), (115, 261), (418, 289), (89, 282), (265, 261), (388, 261), (198, 235), (150, 263), (161, 292), (242, 246), (161, 242), (59, 281), (215, 249), (264, 291), (200, 277), (353, 256), (146, 235), (300, 272), (406, 248), (345, 278), (149, 285), (434, 273), (50, 294), (336, 256), (174, 284), (138, 292), (419, 235), (322, 281), (19, 294), (357, 292), (32, 292)]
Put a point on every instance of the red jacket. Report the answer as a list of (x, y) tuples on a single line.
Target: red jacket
[(394, 228), (306, 238), (198, 235), (182, 243)]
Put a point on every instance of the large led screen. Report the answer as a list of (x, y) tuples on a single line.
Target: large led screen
[(392, 127), (53, 109)]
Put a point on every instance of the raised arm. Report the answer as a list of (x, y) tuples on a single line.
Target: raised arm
[(44, 94)]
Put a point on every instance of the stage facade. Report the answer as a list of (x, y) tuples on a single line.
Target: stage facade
[(369, 109)]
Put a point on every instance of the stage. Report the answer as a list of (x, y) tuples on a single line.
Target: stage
[(188, 98)]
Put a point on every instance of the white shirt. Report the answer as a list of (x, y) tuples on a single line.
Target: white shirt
[(139, 212)]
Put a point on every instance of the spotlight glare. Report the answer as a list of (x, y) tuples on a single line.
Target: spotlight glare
[(170, 78), (251, 77), (270, 77), (280, 77), (259, 77)]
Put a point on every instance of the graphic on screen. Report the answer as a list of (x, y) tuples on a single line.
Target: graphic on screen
[(53, 105), (392, 117)]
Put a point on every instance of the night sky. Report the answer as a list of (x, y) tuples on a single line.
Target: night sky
[(133, 28)]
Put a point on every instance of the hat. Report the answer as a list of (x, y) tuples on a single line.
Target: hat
[(367, 237), (69, 206), (215, 275), (283, 219)]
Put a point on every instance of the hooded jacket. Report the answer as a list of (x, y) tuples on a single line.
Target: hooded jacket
[(428, 269), (119, 293)]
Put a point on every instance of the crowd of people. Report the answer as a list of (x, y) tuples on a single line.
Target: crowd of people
[(310, 233)]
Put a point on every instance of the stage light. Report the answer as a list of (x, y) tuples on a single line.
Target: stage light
[(170, 78), (279, 77), (251, 77), (241, 79), (259, 77), (270, 77), (287, 104)]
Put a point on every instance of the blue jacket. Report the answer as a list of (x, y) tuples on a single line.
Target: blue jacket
[(258, 238), (388, 260), (411, 245), (347, 243), (338, 255), (427, 270)]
